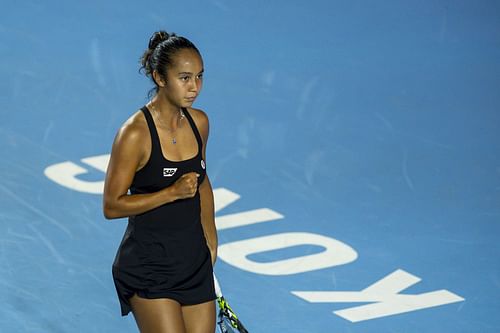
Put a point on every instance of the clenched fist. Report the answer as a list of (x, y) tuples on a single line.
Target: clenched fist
[(187, 185)]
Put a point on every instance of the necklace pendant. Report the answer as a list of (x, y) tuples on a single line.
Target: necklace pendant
[(174, 141)]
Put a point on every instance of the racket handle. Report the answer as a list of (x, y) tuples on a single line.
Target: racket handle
[(218, 291)]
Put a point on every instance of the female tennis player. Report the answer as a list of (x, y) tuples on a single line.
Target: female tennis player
[(157, 178)]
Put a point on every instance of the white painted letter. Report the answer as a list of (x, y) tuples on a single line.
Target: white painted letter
[(386, 295), (246, 218), (66, 173), (336, 253), (223, 198)]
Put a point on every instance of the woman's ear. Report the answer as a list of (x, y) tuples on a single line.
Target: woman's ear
[(157, 78)]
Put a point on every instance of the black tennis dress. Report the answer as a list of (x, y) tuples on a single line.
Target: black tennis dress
[(164, 253)]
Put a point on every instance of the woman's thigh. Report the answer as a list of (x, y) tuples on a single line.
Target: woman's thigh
[(199, 318), (160, 315)]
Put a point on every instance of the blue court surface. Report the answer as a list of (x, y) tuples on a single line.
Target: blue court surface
[(354, 154)]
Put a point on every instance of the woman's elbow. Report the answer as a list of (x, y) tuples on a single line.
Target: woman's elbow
[(107, 214), (108, 211)]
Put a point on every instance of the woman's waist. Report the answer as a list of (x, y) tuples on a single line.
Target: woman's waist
[(152, 222), (182, 209)]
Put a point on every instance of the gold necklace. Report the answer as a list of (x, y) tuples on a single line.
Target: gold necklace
[(172, 131)]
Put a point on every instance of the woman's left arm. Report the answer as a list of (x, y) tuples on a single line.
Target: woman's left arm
[(206, 193), (208, 218)]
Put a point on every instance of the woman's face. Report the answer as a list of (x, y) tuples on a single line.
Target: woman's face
[(184, 78)]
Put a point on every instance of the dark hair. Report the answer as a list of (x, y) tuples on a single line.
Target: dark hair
[(158, 57)]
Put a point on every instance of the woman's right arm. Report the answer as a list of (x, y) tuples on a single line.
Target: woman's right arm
[(127, 154)]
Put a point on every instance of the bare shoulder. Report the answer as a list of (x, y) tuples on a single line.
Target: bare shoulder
[(134, 129), (201, 120), (199, 116), (132, 142)]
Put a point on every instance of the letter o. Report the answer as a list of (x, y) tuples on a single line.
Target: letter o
[(336, 253)]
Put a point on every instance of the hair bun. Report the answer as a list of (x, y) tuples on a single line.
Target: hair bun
[(157, 38)]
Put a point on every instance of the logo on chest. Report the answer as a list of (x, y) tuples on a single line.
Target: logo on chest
[(169, 172)]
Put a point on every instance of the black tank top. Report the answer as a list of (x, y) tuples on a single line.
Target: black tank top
[(159, 173)]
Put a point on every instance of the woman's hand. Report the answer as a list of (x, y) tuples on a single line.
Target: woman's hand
[(187, 185)]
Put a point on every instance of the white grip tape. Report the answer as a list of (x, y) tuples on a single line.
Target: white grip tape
[(218, 291)]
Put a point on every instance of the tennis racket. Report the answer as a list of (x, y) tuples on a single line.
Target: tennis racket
[(227, 321)]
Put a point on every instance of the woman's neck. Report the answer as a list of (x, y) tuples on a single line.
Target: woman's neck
[(168, 114)]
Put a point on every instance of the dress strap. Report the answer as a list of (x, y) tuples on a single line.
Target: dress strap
[(155, 139), (195, 129)]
